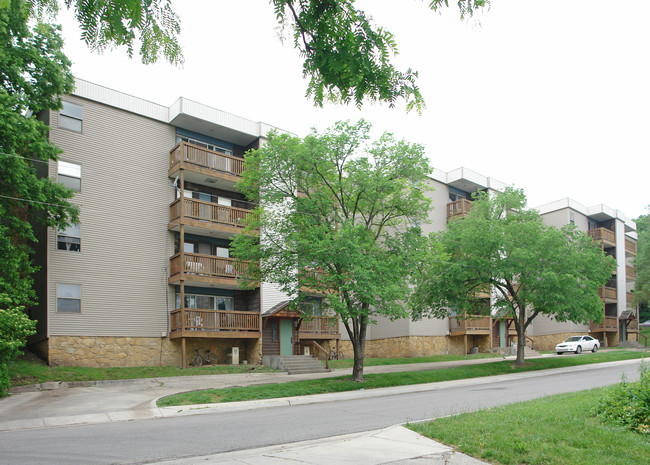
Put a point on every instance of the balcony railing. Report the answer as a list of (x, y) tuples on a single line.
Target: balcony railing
[(603, 234), (630, 247), (629, 297), (209, 212), (207, 265), (609, 323), (189, 319), (630, 273), (204, 158), (324, 325), (607, 292), (469, 324), (458, 208)]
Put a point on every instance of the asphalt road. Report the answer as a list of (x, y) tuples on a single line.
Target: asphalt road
[(154, 440)]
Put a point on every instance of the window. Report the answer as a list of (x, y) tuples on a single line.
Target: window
[(69, 174), (572, 218), (205, 145), (206, 302), (274, 330), (70, 238), (68, 298), (71, 117)]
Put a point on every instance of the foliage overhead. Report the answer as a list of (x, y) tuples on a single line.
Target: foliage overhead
[(337, 217), (530, 268), (33, 73), (347, 58), (642, 260)]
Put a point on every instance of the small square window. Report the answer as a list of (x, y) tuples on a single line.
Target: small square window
[(71, 117), (69, 238), (68, 298), (69, 174)]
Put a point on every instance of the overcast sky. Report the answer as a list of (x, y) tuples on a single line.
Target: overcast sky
[(550, 96)]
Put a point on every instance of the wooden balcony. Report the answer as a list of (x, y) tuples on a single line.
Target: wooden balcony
[(630, 273), (608, 325), (319, 327), (198, 216), (210, 269), (458, 209), (607, 237), (607, 293), (630, 248), (474, 324), (629, 297), (200, 162), (190, 322)]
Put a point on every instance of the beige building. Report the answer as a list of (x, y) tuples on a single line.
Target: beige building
[(146, 277)]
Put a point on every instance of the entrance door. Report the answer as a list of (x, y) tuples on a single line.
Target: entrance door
[(286, 336)]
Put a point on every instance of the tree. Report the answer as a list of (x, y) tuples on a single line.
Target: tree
[(33, 73), (336, 217), (15, 328), (346, 56), (642, 264), (531, 269)]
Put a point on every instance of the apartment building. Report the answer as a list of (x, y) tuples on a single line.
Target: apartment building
[(616, 235), (146, 277)]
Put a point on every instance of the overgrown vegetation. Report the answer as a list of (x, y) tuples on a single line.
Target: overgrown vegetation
[(555, 430), (628, 404), (374, 381), (15, 327)]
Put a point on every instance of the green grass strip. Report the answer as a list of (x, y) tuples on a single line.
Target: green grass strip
[(373, 381), (554, 430), (372, 362), (22, 372)]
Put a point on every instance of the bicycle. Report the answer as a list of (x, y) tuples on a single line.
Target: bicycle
[(334, 356), (203, 356)]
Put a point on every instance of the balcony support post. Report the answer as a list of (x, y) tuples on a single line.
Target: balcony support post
[(465, 337), (183, 352)]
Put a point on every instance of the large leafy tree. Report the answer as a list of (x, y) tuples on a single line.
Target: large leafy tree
[(336, 219), (33, 73), (642, 264), (347, 58), (530, 268)]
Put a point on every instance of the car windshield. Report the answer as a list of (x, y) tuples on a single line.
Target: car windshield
[(573, 339)]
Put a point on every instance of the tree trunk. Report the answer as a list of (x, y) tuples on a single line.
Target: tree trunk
[(521, 337), (357, 369)]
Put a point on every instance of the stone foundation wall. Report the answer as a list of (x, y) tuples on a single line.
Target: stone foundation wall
[(407, 346), (103, 351)]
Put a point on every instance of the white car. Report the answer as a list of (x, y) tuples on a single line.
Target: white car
[(577, 344)]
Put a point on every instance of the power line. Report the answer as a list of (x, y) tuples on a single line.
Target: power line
[(24, 158), (38, 201)]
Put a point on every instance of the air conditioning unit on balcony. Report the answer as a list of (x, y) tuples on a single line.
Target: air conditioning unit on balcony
[(232, 356)]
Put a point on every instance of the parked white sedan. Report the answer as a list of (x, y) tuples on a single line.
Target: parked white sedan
[(577, 344)]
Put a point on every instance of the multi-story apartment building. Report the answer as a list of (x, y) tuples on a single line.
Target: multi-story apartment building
[(616, 235), (146, 277)]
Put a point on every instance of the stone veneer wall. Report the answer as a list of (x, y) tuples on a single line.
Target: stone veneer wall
[(415, 346), (105, 351)]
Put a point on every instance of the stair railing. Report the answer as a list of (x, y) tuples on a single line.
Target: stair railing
[(317, 347), (531, 342)]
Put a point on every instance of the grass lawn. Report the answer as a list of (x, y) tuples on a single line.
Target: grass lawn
[(371, 362), (30, 371), (343, 383), (555, 430), (646, 332)]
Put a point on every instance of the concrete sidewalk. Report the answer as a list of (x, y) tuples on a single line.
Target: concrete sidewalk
[(395, 445)]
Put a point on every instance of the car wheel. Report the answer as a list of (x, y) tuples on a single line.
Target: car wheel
[(579, 350), (595, 349), (559, 353)]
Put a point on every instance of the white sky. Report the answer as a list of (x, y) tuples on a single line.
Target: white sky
[(552, 97)]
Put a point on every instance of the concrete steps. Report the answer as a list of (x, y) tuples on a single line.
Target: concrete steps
[(296, 364)]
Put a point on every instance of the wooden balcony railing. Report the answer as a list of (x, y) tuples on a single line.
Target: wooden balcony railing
[(319, 325), (209, 212), (630, 247), (458, 208), (473, 323), (629, 297), (207, 265), (630, 273), (607, 292), (204, 158), (603, 234), (609, 323), (190, 319)]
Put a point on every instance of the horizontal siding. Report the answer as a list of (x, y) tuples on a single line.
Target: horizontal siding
[(271, 295), (125, 246)]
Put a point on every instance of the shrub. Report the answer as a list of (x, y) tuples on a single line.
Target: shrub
[(15, 327), (628, 404)]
